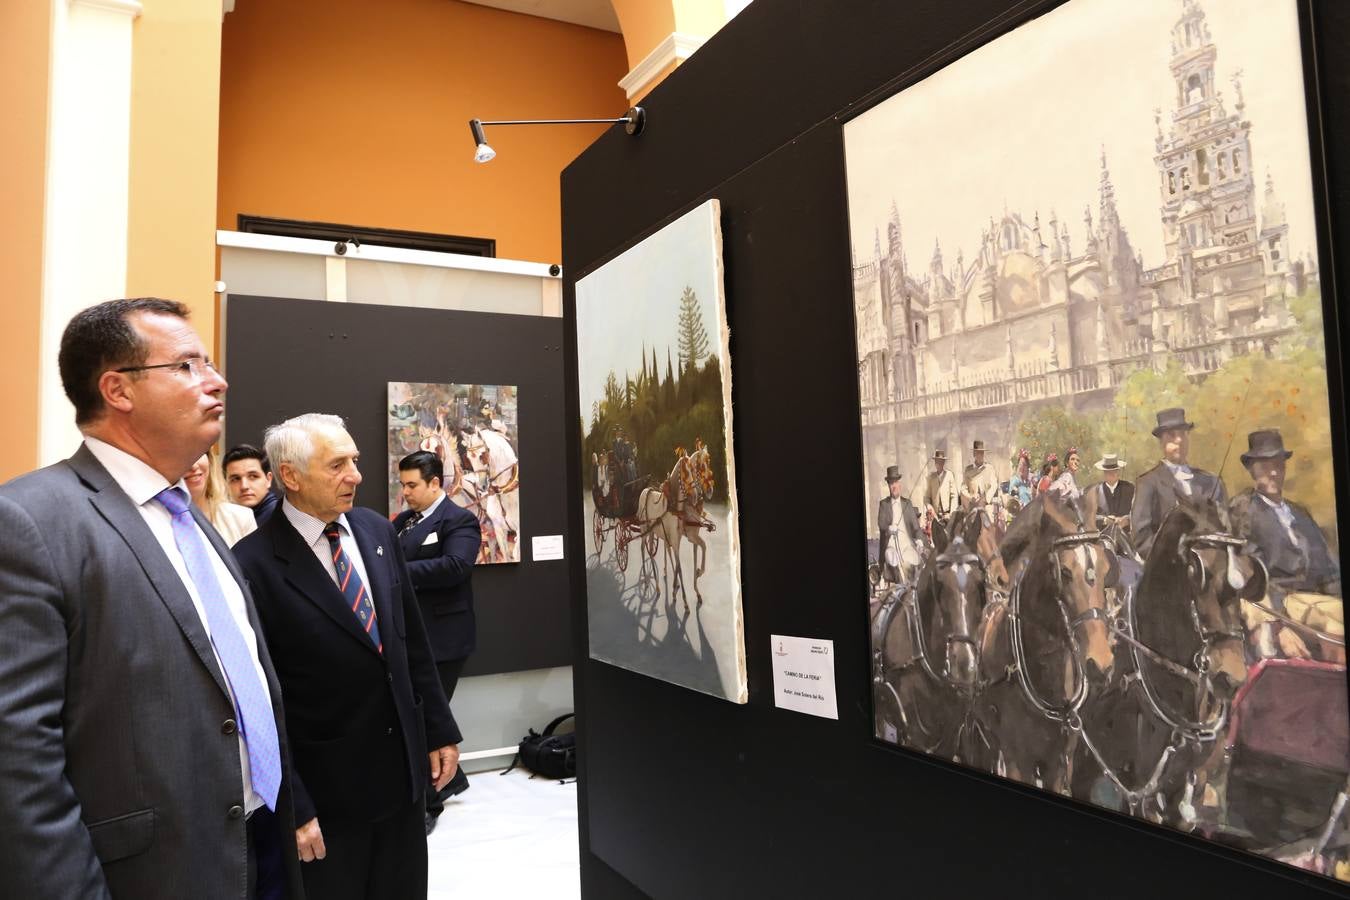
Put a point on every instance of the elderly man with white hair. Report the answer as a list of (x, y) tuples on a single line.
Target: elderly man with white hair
[(369, 724)]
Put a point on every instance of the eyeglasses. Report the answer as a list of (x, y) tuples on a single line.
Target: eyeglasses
[(196, 366)]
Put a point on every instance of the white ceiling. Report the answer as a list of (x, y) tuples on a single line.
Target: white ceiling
[(591, 13)]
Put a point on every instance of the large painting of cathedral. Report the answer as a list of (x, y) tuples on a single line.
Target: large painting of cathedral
[(1097, 450)]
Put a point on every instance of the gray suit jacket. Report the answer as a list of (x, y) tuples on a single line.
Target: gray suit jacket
[(120, 772), (1155, 494)]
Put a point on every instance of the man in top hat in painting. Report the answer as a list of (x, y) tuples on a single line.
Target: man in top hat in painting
[(979, 483), (940, 494), (899, 532), (1159, 489), (1285, 536)]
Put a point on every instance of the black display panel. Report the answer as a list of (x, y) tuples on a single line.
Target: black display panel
[(681, 796), (286, 357)]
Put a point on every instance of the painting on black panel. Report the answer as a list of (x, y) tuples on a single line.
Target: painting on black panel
[(1098, 469), (654, 375)]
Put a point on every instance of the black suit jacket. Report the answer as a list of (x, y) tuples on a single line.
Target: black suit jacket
[(1156, 493), (1113, 503), (119, 759), (361, 723), (441, 550), (1309, 567)]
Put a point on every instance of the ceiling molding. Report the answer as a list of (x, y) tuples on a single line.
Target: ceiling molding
[(677, 47), (127, 7), (597, 14)]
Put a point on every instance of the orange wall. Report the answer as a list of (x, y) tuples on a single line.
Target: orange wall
[(25, 56), (645, 24), (357, 112), (175, 93)]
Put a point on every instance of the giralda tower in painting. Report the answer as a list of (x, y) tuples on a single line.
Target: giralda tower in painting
[(1214, 245)]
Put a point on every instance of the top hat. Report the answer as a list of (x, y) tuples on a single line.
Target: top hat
[(978, 445), (1174, 417), (1109, 461), (893, 474), (1265, 444), (940, 454)]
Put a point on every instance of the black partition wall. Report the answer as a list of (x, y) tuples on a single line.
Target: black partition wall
[(685, 796), (285, 357)]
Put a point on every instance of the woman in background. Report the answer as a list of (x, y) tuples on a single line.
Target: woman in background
[(207, 487)]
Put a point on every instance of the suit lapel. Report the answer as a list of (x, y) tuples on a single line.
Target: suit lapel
[(112, 503), (309, 578)]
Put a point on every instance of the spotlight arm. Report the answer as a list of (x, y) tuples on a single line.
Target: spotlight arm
[(633, 122)]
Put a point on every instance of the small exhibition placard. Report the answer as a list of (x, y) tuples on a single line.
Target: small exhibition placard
[(547, 546), (803, 675)]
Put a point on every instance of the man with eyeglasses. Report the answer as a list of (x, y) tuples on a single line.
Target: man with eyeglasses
[(140, 714)]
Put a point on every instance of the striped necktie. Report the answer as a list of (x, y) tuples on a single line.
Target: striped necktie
[(352, 587), (256, 722)]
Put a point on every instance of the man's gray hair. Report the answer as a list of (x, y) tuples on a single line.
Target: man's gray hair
[(292, 441)]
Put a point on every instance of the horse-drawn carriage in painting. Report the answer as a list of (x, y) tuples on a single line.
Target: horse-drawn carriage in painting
[(1043, 654), (616, 488)]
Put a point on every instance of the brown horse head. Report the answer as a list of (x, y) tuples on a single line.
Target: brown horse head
[(1084, 568), (958, 580), (1202, 568)]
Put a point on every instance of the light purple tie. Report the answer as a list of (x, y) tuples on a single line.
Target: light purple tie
[(256, 723)]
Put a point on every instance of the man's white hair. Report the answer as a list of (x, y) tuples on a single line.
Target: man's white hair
[(292, 441)]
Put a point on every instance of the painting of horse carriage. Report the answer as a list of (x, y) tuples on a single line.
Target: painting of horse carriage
[(1099, 481), (474, 430), (654, 372)]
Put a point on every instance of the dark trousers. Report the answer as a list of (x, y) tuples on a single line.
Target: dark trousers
[(385, 860), (449, 672), (266, 871)]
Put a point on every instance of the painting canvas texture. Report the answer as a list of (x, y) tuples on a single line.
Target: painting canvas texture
[(474, 429), (654, 374), (1097, 452)]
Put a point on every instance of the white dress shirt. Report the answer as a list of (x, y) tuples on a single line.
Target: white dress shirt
[(142, 483), (1286, 517), (1182, 474), (426, 513), (311, 532)]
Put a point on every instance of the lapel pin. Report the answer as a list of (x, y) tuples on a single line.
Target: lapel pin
[(379, 551)]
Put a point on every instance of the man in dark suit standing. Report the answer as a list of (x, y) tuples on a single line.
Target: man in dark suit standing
[(441, 541), (366, 713), (1158, 488), (898, 531), (140, 718)]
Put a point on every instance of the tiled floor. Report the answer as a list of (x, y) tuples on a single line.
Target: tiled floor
[(506, 837)]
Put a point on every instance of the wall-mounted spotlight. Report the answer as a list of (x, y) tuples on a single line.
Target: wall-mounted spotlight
[(633, 122)]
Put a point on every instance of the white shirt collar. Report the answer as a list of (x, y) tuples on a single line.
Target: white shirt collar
[(1177, 467), (426, 513), (310, 528), (140, 482), (1282, 505)]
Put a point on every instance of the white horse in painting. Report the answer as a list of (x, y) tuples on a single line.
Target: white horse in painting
[(690, 482)]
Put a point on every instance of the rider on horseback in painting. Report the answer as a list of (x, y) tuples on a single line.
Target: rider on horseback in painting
[(899, 532), (1159, 488), (940, 493)]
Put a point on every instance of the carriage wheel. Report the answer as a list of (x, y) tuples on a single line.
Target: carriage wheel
[(621, 550), (598, 529)]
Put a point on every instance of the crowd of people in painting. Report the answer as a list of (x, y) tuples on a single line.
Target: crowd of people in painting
[(1278, 531)]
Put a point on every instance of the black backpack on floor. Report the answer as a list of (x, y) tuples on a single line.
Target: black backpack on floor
[(548, 754)]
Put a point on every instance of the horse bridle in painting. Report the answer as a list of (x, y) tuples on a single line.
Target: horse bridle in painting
[(1199, 675), (1068, 713), (905, 600)]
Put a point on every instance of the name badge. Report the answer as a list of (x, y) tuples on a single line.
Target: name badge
[(431, 539)]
